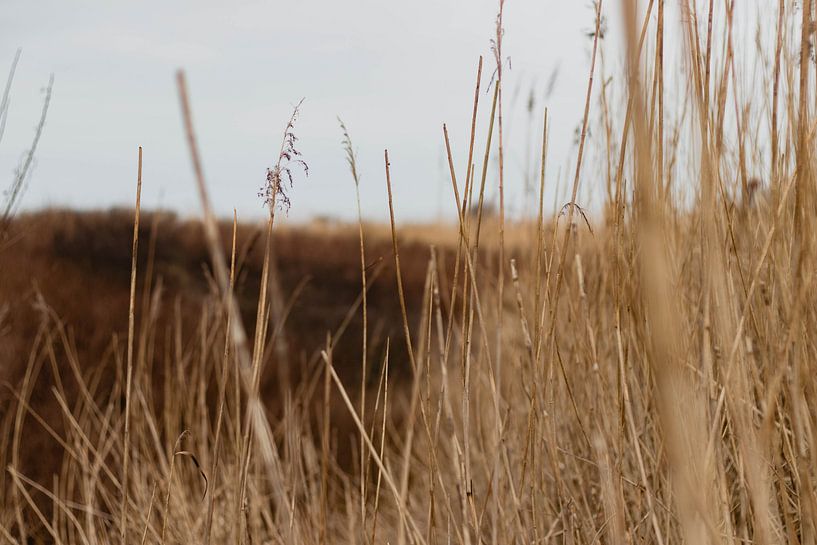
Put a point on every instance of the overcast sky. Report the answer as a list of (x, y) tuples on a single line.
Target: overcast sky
[(394, 71)]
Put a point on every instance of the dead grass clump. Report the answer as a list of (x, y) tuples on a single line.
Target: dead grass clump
[(646, 382)]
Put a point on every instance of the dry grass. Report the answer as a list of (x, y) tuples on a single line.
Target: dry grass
[(648, 382)]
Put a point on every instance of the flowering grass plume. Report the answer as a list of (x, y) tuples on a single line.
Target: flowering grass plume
[(351, 156), (279, 178)]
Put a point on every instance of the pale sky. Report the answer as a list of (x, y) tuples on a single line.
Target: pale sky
[(394, 71)]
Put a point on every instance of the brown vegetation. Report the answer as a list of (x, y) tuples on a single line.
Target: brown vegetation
[(67, 273), (651, 381)]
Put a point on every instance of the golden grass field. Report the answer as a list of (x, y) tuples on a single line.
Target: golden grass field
[(486, 381)]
